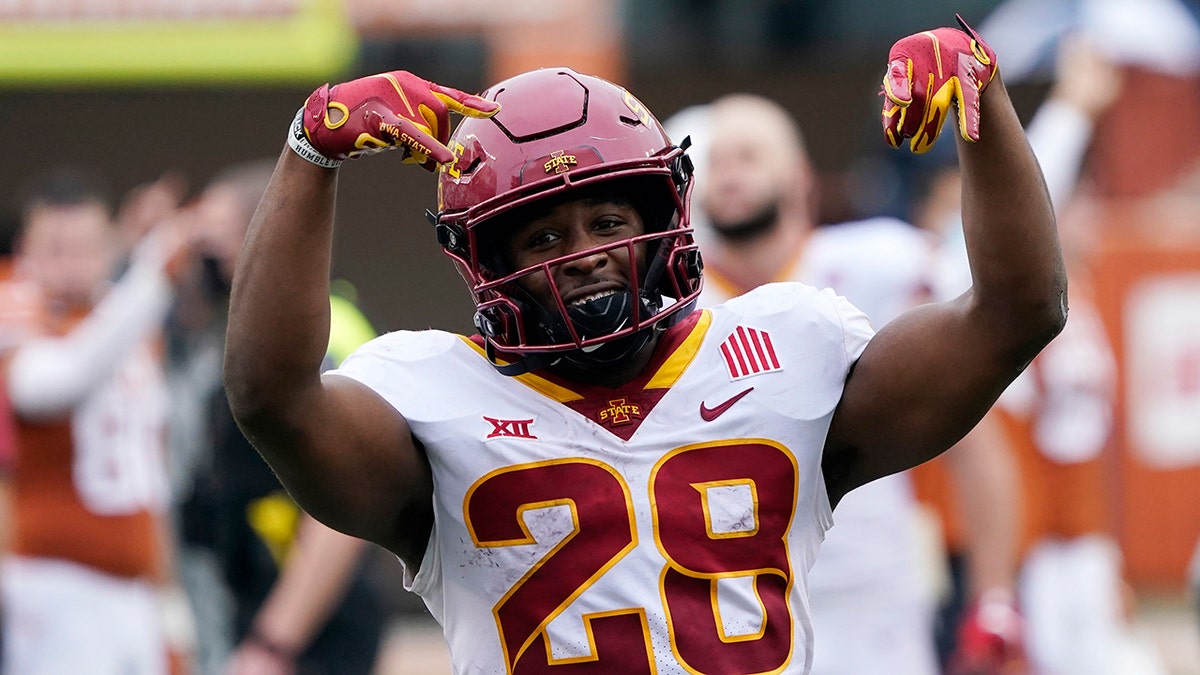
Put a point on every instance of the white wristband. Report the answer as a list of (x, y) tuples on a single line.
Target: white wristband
[(299, 142)]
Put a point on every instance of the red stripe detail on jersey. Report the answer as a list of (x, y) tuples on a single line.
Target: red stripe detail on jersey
[(729, 364), (741, 359), (766, 338), (748, 349), (758, 348)]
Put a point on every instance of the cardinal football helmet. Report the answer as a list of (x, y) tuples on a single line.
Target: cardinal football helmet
[(558, 132)]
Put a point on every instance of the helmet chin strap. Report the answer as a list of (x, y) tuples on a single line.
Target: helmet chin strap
[(521, 366), (613, 351), (604, 315)]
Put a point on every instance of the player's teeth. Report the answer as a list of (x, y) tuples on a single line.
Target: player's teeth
[(594, 296)]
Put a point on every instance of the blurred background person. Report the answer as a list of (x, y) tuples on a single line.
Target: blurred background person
[(276, 591), (972, 492), (1057, 419), (8, 449), (871, 589), (143, 207), (91, 562), (1194, 579)]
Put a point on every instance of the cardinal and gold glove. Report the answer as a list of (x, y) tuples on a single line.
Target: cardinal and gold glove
[(380, 112), (927, 72)]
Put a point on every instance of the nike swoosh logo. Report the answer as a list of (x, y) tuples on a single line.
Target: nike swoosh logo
[(709, 414)]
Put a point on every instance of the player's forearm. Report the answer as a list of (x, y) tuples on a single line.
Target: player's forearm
[(1019, 281), (279, 306)]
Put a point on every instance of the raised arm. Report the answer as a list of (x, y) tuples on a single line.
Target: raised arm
[(930, 375), (344, 454)]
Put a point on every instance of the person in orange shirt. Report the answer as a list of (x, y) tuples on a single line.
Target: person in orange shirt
[(8, 448), (82, 368), (8, 443)]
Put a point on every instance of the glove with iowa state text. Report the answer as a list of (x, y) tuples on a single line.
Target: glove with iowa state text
[(380, 112), (927, 72)]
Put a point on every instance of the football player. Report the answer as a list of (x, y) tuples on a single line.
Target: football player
[(603, 478)]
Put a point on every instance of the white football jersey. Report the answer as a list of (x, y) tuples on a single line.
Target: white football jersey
[(665, 526)]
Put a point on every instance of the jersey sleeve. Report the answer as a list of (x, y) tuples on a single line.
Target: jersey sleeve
[(407, 368), (818, 336), (857, 330)]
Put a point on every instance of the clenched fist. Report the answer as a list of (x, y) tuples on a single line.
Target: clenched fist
[(927, 72)]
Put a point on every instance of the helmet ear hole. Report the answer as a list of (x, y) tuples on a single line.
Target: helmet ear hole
[(472, 166)]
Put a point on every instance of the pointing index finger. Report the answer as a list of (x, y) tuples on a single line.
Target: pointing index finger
[(463, 103)]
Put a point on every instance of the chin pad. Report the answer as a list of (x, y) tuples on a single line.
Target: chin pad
[(602, 316)]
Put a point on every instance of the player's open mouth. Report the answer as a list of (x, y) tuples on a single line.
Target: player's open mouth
[(591, 296)]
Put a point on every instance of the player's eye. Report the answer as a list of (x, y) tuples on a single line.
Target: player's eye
[(608, 224), (541, 239)]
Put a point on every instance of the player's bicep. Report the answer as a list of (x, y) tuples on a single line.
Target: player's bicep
[(921, 383), (349, 459)]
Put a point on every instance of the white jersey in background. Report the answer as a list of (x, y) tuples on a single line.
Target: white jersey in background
[(872, 607), (665, 526)]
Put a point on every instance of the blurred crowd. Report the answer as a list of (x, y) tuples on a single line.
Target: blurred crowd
[(1031, 578), (146, 535)]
